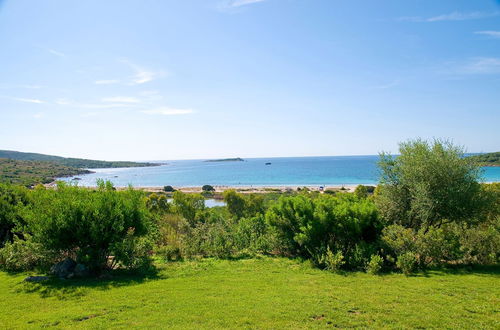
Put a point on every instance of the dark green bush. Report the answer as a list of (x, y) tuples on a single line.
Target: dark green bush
[(168, 189), (12, 201), (207, 187), (90, 225), (407, 262), (308, 227)]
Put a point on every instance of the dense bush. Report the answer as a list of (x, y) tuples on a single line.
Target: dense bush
[(12, 201), (25, 254), (189, 206), (407, 263), (375, 264), (309, 227), (92, 226), (207, 187), (168, 189)]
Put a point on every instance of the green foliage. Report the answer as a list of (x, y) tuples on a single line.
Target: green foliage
[(254, 236), (480, 244), (361, 191), (29, 173), (68, 162), (207, 187), (25, 254), (489, 159), (333, 261), (310, 226), (375, 264), (12, 200), (407, 262), (189, 206), (157, 203), (429, 184), (235, 203), (210, 239), (168, 189), (91, 225)]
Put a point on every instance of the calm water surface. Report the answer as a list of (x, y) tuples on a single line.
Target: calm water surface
[(290, 171)]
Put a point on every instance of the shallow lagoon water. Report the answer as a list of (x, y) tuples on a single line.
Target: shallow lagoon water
[(289, 171)]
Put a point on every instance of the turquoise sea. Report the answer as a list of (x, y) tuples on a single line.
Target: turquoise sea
[(287, 171)]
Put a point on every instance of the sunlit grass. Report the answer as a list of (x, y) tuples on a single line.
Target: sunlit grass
[(255, 293)]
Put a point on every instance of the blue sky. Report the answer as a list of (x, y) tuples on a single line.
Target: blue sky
[(146, 80)]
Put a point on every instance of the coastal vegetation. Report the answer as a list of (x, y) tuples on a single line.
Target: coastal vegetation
[(310, 254), (29, 169), (238, 159), (488, 159), (28, 173), (70, 162)]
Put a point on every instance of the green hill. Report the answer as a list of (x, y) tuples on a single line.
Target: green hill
[(72, 162), (489, 159), (28, 172)]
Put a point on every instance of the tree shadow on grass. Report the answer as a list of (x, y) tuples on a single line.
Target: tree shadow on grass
[(72, 288), (479, 270)]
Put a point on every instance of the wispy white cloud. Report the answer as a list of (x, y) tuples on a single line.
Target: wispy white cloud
[(121, 99), (38, 115), (104, 105), (107, 82), (235, 5), (25, 100), (165, 111), (141, 74), (492, 34), (239, 3), (480, 65), (454, 16), (13, 86), (56, 52)]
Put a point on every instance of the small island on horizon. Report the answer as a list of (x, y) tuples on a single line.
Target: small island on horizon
[(237, 159)]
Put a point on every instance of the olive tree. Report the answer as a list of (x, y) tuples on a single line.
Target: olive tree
[(429, 184)]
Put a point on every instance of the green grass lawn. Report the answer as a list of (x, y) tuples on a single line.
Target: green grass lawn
[(255, 293)]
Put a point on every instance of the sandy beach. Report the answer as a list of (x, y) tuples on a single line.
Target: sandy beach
[(253, 189)]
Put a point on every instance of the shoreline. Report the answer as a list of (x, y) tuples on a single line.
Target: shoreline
[(255, 189)]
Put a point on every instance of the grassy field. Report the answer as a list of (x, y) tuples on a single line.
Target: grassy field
[(255, 293)]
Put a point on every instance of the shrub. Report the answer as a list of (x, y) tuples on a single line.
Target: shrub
[(157, 203), (235, 203), (334, 261), (407, 262), (90, 225), (170, 253), (361, 191), (188, 205), (168, 189), (210, 239), (207, 187), (375, 264), (253, 235), (309, 226), (481, 244), (25, 255), (12, 201)]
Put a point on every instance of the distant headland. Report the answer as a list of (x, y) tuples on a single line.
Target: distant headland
[(238, 159)]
